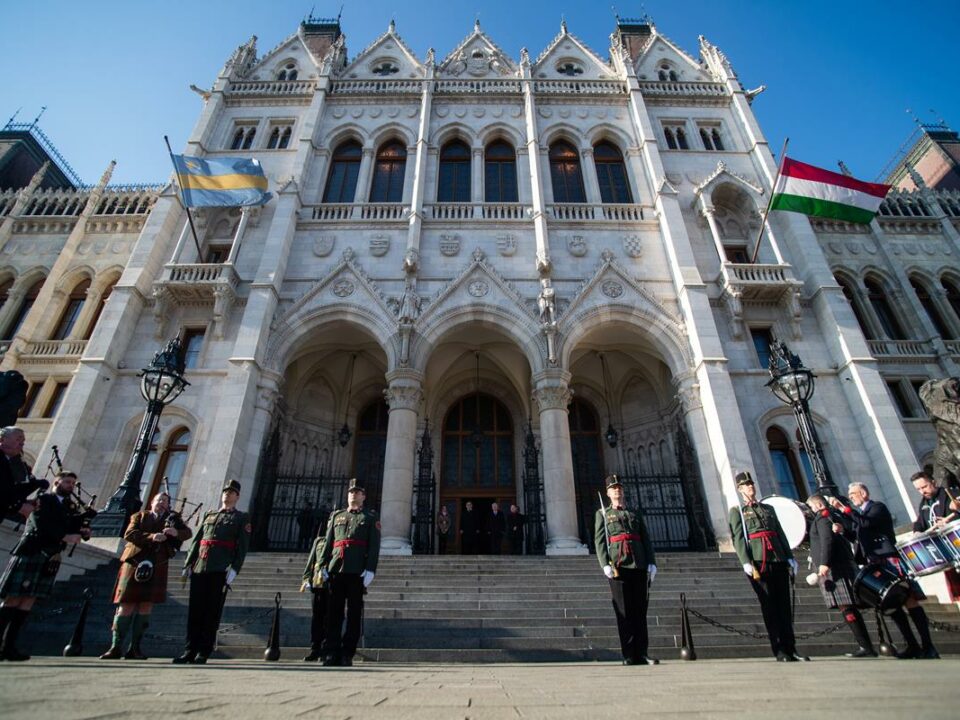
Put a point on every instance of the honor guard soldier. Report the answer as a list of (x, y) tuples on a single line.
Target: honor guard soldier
[(314, 582), (764, 552), (626, 555), (348, 561), (212, 564)]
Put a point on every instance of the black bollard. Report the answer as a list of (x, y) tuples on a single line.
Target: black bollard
[(75, 646), (272, 653), (886, 647), (687, 651)]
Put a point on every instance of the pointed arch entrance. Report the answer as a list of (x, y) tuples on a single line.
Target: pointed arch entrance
[(588, 467), (478, 464)]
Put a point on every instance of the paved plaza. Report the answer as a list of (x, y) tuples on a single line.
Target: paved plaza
[(75, 689)]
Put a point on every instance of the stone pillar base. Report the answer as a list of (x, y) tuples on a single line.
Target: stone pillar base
[(566, 546), (395, 546)]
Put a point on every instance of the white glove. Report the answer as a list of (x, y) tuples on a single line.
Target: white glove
[(608, 571), (306, 587), (651, 572), (187, 572), (367, 576), (324, 574), (231, 576), (794, 566), (748, 569)]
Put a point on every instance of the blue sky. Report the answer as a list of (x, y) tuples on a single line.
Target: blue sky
[(115, 75)]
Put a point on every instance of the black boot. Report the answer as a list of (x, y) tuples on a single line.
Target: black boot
[(859, 629), (919, 617), (903, 625), (6, 614), (14, 626)]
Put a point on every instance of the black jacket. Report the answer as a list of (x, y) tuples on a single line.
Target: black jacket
[(830, 549), (47, 525), (496, 525), (939, 504), (16, 485), (871, 531)]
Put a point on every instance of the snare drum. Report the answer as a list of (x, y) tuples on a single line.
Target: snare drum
[(950, 541), (878, 586), (926, 553)]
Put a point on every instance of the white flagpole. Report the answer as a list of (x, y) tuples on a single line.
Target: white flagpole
[(766, 212)]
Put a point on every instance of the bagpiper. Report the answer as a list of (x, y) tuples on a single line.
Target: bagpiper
[(212, 564), (348, 561)]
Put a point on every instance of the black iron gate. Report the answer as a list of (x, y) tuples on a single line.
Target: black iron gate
[(534, 518), (426, 489), (662, 502)]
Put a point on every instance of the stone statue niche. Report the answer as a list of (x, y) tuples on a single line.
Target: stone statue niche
[(942, 400)]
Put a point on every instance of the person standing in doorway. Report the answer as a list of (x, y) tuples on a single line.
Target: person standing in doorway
[(496, 526), (469, 530), (515, 521), (443, 529)]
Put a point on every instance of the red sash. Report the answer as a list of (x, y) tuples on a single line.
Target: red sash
[(764, 535)]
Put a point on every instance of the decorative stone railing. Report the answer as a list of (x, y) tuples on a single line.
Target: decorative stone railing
[(345, 212), (653, 88), (477, 87), (476, 211), (580, 87), (200, 274), (271, 88), (953, 346), (899, 348), (603, 212), (376, 87), (54, 349), (745, 274)]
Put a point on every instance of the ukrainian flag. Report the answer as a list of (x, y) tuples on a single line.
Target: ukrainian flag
[(226, 182)]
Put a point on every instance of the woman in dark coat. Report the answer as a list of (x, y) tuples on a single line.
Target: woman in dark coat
[(836, 572)]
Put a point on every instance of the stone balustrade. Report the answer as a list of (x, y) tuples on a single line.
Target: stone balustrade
[(476, 211), (675, 89), (758, 281), (603, 212), (376, 87), (347, 212), (953, 346), (54, 350), (580, 87), (270, 88), (900, 348), (468, 86)]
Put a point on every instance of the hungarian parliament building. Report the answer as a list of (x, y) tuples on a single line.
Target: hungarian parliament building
[(479, 278)]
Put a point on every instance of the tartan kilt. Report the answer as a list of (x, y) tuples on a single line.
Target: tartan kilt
[(29, 576), (128, 590), (842, 594)]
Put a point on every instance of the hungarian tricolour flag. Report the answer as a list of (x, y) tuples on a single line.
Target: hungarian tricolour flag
[(813, 191), (223, 182)]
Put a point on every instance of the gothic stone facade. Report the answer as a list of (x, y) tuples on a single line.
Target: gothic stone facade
[(491, 244)]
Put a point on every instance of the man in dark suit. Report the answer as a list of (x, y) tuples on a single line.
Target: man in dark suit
[(495, 528), (870, 528), (515, 520), (469, 530)]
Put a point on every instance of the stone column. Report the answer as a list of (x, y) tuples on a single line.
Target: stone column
[(476, 179), (362, 194), (403, 396), (553, 394), (588, 170)]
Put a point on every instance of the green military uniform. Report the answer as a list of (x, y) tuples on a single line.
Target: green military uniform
[(219, 547), (313, 574), (350, 553), (760, 542), (621, 541)]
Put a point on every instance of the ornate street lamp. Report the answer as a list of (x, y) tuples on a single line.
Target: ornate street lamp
[(611, 435), (793, 384), (343, 437), (160, 384)]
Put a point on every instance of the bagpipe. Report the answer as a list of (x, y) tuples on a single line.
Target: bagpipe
[(175, 516), (82, 511)]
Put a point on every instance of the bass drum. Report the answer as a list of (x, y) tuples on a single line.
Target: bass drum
[(878, 586), (794, 517)]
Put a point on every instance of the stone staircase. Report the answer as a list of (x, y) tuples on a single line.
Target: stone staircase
[(470, 609)]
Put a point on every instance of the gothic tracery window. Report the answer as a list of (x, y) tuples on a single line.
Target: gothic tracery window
[(565, 173), (68, 319), (453, 183), (611, 174), (388, 172), (884, 311), (344, 171), (500, 173)]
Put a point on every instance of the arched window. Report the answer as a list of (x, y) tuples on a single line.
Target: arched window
[(29, 298), (665, 73), (790, 482), (285, 137), (930, 307), (388, 173), (344, 170), (953, 295), (885, 314), (104, 296), (72, 311), (5, 291), (500, 173), (288, 72), (238, 137), (670, 137), (170, 464), (279, 137), (565, 173), (851, 296), (248, 138), (682, 139), (611, 174), (453, 183)]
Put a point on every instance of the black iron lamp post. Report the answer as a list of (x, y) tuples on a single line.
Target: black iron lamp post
[(160, 384), (793, 384), (343, 437), (611, 435)]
